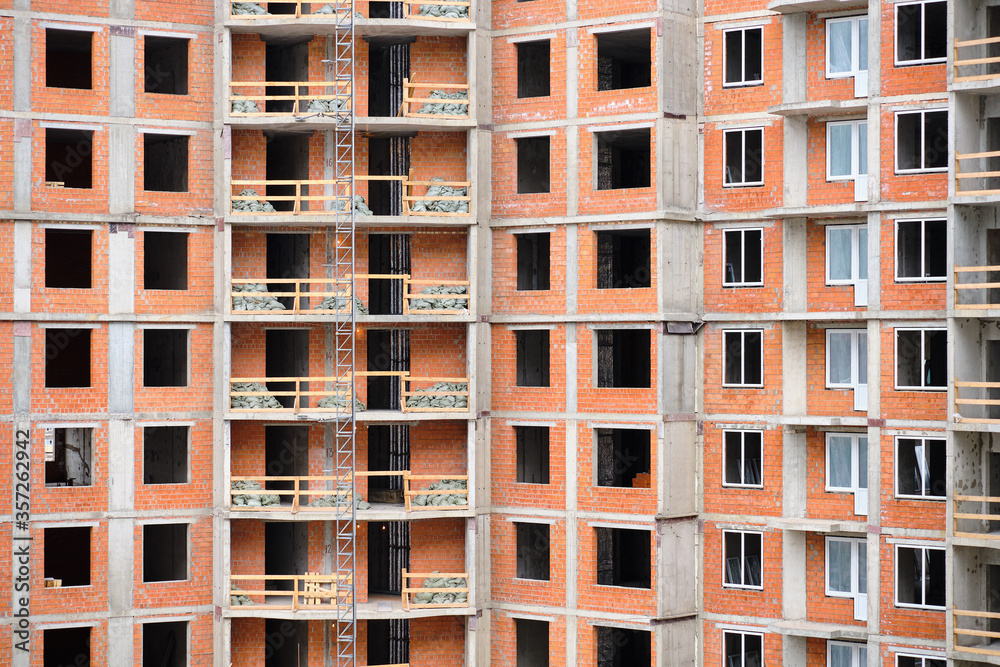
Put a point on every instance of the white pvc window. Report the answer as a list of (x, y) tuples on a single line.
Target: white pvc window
[(921, 32), (920, 468), (922, 359), (922, 141), (846, 654), (742, 559), (846, 254), (920, 574), (743, 56), (846, 462), (743, 358), (744, 157), (846, 150), (744, 460), (846, 46), (921, 250), (847, 574), (743, 250), (907, 660), (846, 358), (743, 649)]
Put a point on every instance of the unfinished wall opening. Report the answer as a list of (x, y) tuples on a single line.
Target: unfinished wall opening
[(166, 62), (533, 261), (532, 357), (165, 644), (68, 258), (533, 69), (388, 254), (388, 65), (287, 356), (388, 641), (285, 62), (165, 454), (623, 647), (388, 350), (622, 159), (68, 58), (623, 260), (66, 647), (287, 159), (532, 641), (388, 555), (532, 165), (387, 156), (388, 449), (286, 454), (165, 162), (623, 557), (71, 457), (288, 257), (623, 357), (164, 552), (165, 357), (67, 358), (532, 551), (69, 158), (624, 59), (67, 556), (532, 454), (165, 260), (286, 643), (286, 551), (623, 457)]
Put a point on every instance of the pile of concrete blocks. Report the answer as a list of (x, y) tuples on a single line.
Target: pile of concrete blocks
[(251, 206), (266, 302), (441, 401), (262, 401), (446, 108), (442, 205), (445, 499), (253, 499), (457, 303), (442, 598)]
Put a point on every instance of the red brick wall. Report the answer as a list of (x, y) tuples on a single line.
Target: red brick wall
[(594, 597), (765, 299), (197, 492), (68, 300), (6, 59), (591, 398), (594, 201), (594, 498), (507, 203), (197, 104), (506, 491), (506, 297), (198, 297), (197, 395), (590, 299), (506, 587), (70, 400), (196, 590), (506, 105), (503, 638), (738, 500), (740, 99), (593, 102), (512, 13), (506, 394), (76, 200), (58, 100), (754, 400), (750, 198)]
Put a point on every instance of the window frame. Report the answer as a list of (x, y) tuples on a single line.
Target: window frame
[(857, 545), (742, 444), (856, 649), (856, 256), (725, 145), (856, 163), (923, 169), (923, 658), (857, 363), (743, 645), (895, 450), (742, 557), (895, 579), (923, 250), (742, 332), (923, 342), (855, 22), (743, 82), (923, 26), (855, 462), (741, 231)]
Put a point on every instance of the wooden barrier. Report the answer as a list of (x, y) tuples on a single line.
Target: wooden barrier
[(960, 175), (409, 493), (959, 62), (300, 100), (310, 589), (408, 604), (409, 99), (959, 270), (975, 401), (300, 496), (406, 393), (411, 10)]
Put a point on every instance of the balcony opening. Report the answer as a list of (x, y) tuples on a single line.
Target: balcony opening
[(68, 58), (623, 357), (287, 159), (532, 454), (388, 555), (992, 352), (288, 8), (67, 556), (623, 557), (532, 642), (68, 258), (165, 164), (388, 641), (622, 159), (165, 644), (288, 257), (532, 165), (286, 643), (165, 454), (165, 260), (532, 357), (69, 158), (286, 552), (993, 30), (623, 457), (67, 358), (388, 449), (387, 156), (532, 551), (993, 259), (621, 647), (166, 63), (378, 9), (70, 462), (285, 63), (388, 350), (388, 65), (388, 254), (165, 357), (533, 261), (533, 69), (623, 259), (993, 144), (66, 647), (164, 552), (287, 356), (286, 454), (624, 59)]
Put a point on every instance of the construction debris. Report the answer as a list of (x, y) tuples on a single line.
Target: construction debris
[(328, 106), (249, 205), (238, 598), (446, 108), (439, 499), (263, 401), (442, 598), (336, 499), (244, 106), (360, 206), (441, 401), (248, 8), (253, 499), (326, 9), (445, 11), (340, 303), (266, 302), (442, 304), (442, 205), (339, 401)]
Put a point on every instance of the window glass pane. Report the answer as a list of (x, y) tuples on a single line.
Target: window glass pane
[(734, 451), (734, 157), (935, 249), (751, 559), (862, 339), (935, 475), (734, 558), (840, 149), (863, 45), (840, 462), (752, 269), (936, 362), (840, 46), (734, 257), (753, 68), (863, 462), (935, 27), (908, 252), (752, 459), (934, 577), (908, 359), (839, 357), (734, 56), (838, 564), (734, 357), (753, 165), (863, 253), (936, 140), (752, 350), (908, 576), (753, 649), (862, 550), (839, 250), (908, 133), (909, 477), (862, 148), (734, 649), (907, 32)]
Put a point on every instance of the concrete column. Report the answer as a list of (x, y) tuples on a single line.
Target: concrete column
[(793, 51), (22, 79), (794, 260), (794, 475), (121, 268), (122, 9), (794, 378), (572, 268), (793, 651), (121, 168), (572, 544), (121, 68), (796, 158), (22, 266), (23, 164), (793, 576), (121, 370)]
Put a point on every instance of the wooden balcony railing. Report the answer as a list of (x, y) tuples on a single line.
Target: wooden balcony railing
[(407, 393), (303, 92), (410, 197), (989, 640), (408, 591), (975, 516), (308, 590), (299, 495), (413, 103), (960, 287), (959, 385), (964, 176), (409, 295), (410, 491), (411, 10), (968, 62), (337, 302), (344, 9)]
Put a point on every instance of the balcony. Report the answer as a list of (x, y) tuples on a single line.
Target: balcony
[(975, 614), (979, 300), (286, 9), (987, 414), (981, 182), (270, 497), (976, 524), (432, 594), (250, 99), (290, 592), (456, 95)]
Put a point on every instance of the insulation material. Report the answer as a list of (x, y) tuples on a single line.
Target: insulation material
[(266, 302), (340, 303), (442, 598), (253, 499), (360, 206), (328, 106), (333, 500), (238, 599), (246, 205), (439, 499), (446, 108), (247, 8), (442, 304), (263, 401), (244, 106), (339, 401), (445, 11), (444, 401), (442, 205)]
